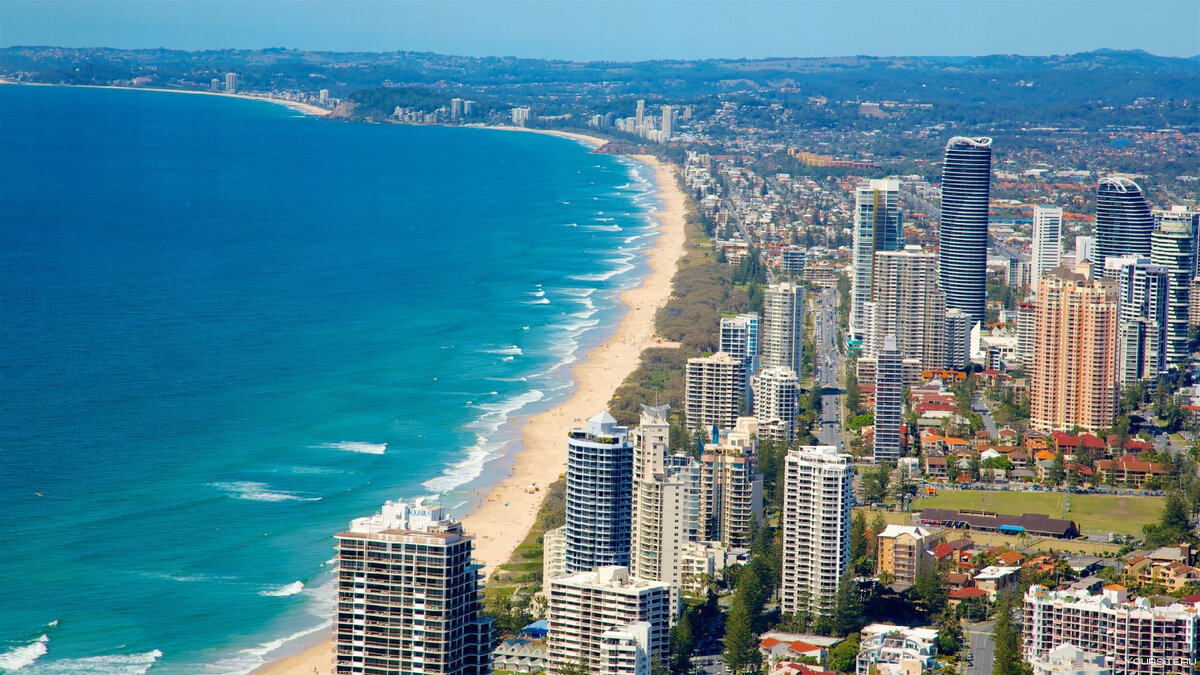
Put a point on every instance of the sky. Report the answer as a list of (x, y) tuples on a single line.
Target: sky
[(616, 30)]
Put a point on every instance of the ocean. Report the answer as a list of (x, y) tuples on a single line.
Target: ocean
[(228, 329)]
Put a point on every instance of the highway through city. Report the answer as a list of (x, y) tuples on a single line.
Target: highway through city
[(828, 363)]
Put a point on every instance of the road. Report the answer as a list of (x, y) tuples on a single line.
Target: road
[(979, 406), (982, 647), (828, 361)]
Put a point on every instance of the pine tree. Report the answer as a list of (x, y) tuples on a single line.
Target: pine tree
[(929, 591), (739, 637), (1008, 643), (682, 645), (847, 607), (858, 539)]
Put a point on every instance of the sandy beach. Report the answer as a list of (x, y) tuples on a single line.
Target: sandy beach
[(305, 108), (508, 512)]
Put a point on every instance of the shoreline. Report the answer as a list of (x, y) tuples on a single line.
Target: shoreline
[(306, 108), (508, 512)]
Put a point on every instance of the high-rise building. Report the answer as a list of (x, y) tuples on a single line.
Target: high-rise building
[(783, 322), (739, 338), (816, 526), (520, 116), (659, 502), (668, 122), (791, 260), (1138, 637), (715, 390), (1182, 215), (1173, 246), (966, 188), (215, 85), (1085, 249), (640, 117), (456, 108), (1047, 241), (1073, 378), (958, 338), (730, 485), (1142, 317), (323, 96), (1123, 220), (231, 83), (599, 495), (584, 606), (554, 552), (395, 615), (909, 305), (626, 651), (889, 405), (877, 227), (776, 402), (1025, 319), (904, 552)]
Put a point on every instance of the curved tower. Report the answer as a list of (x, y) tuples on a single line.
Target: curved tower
[(966, 187), (599, 495), (1123, 221)]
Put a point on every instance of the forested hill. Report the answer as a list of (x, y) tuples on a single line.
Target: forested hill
[(1106, 76)]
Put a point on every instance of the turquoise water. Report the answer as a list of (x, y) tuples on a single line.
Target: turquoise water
[(228, 329)]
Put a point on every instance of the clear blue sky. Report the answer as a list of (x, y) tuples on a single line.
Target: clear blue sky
[(617, 29)]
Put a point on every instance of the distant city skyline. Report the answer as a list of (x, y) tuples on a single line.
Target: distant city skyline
[(614, 30)]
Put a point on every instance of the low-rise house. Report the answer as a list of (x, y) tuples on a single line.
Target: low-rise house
[(896, 650), (523, 654), (1128, 471), (996, 581), (936, 468), (961, 595)]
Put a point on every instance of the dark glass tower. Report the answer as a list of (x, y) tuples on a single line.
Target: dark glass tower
[(966, 187), (1123, 221)]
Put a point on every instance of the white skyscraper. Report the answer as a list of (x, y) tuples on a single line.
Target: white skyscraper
[(393, 616), (660, 502), (909, 305), (877, 227), (889, 386), (714, 390), (783, 335), (640, 117), (1142, 297), (231, 83), (740, 337), (668, 123), (816, 526), (1173, 246), (586, 605), (599, 494), (1047, 241), (1085, 249), (958, 338), (776, 402)]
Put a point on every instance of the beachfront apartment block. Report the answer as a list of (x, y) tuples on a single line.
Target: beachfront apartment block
[(714, 391), (660, 496), (1135, 636), (599, 495), (586, 607), (626, 651), (731, 488), (554, 553), (816, 526), (408, 596)]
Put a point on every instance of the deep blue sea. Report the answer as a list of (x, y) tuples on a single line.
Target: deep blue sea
[(227, 329)]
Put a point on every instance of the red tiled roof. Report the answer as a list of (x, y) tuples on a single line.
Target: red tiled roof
[(967, 593)]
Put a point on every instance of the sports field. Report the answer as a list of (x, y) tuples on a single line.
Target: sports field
[(1096, 514)]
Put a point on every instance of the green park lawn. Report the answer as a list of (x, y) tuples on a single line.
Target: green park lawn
[(1096, 514)]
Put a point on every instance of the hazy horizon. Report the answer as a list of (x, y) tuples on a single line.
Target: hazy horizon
[(614, 30)]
